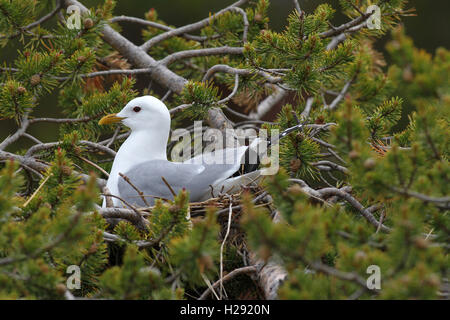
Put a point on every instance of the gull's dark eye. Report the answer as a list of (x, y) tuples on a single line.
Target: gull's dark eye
[(137, 109)]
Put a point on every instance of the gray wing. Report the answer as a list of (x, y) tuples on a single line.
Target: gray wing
[(196, 178)]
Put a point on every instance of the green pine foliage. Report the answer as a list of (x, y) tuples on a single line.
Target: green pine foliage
[(386, 136)]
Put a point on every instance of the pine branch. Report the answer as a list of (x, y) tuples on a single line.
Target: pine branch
[(200, 53), (188, 28), (61, 237), (157, 26), (242, 72), (229, 276), (325, 192)]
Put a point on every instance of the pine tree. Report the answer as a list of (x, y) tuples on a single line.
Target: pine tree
[(361, 186)]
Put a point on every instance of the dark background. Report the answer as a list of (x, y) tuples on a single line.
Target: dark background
[(429, 29)]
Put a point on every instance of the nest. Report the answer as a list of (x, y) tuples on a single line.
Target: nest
[(224, 202), (232, 237)]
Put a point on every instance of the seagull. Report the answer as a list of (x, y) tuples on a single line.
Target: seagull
[(142, 159)]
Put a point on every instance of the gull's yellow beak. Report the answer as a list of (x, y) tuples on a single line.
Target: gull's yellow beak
[(110, 118)]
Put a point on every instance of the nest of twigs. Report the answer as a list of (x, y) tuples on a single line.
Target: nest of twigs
[(235, 255), (226, 202)]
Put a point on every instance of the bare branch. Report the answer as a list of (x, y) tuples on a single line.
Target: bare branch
[(333, 105), (443, 202), (157, 26), (136, 55), (157, 71), (141, 194), (200, 53), (355, 203), (120, 213), (137, 219), (242, 72), (297, 7), (41, 20), (181, 107), (348, 276), (228, 277), (48, 16), (187, 28), (331, 165), (309, 102), (268, 103), (233, 93), (94, 165), (24, 123), (62, 120), (168, 186), (109, 237), (40, 166), (344, 27), (108, 73)]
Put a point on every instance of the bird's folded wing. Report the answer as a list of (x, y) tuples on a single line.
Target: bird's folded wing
[(147, 177), (232, 185)]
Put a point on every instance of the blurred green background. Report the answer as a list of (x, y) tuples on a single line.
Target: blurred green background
[(429, 29)]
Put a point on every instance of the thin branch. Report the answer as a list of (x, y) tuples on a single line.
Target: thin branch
[(441, 202), (245, 19), (181, 107), (94, 165), (168, 186), (321, 142), (158, 72), (109, 141), (119, 213), (46, 17), (110, 237), (36, 191), (141, 194), (242, 72), (297, 7), (136, 55), (343, 27), (108, 73), (230, 213), (348, 276), (168, 93), (62, 120), (331, 165), (98, 146), (138, 220), (233, 93), (200, 53), (23, 127), (114, 137), (228, 277), (40, 166), (157, 26), (41, 20), (268, 103), (187, 28), (308, 190), (356, 204), (309, 102), (32, 138), (341, 96), (238, 114)]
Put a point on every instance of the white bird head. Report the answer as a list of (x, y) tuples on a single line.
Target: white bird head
[(144, 113)]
